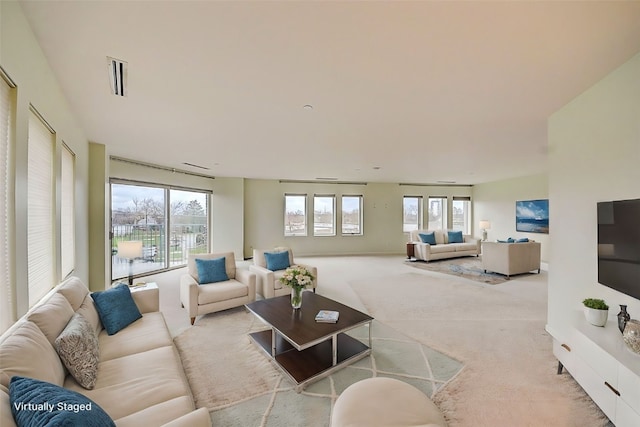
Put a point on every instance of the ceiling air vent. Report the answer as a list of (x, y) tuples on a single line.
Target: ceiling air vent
[(118, 76)]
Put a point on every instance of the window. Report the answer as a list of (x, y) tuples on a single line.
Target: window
[(411, 213), (41, 202), (462, 214), (295, 215), (352, 215), (67, 211), (143, 213), (7, 115), (324, 215), (437, 211)]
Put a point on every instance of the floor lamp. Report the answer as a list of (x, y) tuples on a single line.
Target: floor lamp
[(130, 249), (484, 225)]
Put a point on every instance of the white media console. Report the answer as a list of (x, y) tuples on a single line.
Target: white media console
[(598, 359)]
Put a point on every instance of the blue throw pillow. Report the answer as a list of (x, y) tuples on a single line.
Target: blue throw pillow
[(116, 308), (429, 238), (39, 403), (509, 240), (277, 260), (523, 240), (211, 270), (455, 237)]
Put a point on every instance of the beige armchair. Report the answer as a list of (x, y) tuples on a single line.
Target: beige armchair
[(239, 289), (510, 258), (267, 281)]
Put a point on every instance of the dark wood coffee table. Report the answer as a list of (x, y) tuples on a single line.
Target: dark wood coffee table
[(306, 350)]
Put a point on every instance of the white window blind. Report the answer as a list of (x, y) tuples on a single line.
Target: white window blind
[(67, 211), (41, 203), (6, 291)]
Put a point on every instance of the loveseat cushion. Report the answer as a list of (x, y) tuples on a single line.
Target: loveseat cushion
[(144, 334), (77, 347), (60, 407), (211, 270), (116, 308), (52, 316), (28, 353), (141, 380)]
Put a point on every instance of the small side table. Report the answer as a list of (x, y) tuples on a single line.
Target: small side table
[(411, 248), (147, 297)]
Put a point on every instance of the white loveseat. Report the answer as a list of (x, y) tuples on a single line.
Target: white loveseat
[(140, 378), (443, 249)]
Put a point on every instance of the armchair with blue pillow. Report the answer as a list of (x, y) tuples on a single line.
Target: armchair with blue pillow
[(269, 265), (213, 283)]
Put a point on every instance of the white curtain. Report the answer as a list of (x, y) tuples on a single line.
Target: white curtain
[(6, 206), (67, 212), (41, 204)]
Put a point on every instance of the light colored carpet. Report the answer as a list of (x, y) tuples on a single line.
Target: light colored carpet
[(467, 267), (497, 331)]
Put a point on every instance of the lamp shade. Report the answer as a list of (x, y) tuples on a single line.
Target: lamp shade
[(130, 249), (485, 225)]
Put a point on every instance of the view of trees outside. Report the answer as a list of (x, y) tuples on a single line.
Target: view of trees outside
[(411, 213), (461, 216), (351, 214), (142, 213), (295, 215), (324, 216), (437, 213)]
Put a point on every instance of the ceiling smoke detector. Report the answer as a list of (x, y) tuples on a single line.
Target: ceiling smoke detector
[(117, 76)]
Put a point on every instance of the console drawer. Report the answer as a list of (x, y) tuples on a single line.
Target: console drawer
[(629, 388), (599, 360)]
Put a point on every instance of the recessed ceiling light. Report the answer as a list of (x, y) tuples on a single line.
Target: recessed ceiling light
[(308, 107)]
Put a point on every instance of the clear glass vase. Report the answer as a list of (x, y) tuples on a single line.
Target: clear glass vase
[(296, 297)]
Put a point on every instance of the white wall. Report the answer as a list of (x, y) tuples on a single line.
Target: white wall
[(24, 62), (594, 155), (382, 216), (496, 202)]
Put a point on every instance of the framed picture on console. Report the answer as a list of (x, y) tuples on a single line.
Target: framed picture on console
[(532, 216)]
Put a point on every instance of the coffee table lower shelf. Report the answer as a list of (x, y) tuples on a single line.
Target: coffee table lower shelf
[(312, 363)]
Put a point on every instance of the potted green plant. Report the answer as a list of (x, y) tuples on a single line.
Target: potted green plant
[(596, 311)]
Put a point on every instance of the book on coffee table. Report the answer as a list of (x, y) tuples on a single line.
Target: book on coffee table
[(327, 316)]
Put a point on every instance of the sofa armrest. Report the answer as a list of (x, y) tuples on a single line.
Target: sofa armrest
[(189, 294), (422, 251), (198, 418), (266, 280), (471, 239), (247, 278)]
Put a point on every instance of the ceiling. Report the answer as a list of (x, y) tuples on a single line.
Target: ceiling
[(410, 92)]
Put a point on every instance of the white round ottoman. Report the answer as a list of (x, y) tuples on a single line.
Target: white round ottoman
[(384, 402)]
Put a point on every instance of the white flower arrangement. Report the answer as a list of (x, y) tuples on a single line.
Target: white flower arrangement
[(297, 277)]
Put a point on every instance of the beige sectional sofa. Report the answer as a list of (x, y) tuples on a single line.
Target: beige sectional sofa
[(443, 249), (140, 378)]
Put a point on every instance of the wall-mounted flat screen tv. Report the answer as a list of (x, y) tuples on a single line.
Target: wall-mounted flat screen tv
[(619, 246)]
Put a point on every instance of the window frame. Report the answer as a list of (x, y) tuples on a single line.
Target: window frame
[(419, 214), (444, 222), (466, 213), (360, 215), (167, 262), (332, 198), (304, 215)]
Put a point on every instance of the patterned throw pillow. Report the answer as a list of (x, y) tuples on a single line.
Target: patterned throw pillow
[(77, 346), (277, 260), (39, 403)]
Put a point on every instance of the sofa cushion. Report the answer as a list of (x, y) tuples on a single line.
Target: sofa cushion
[(160, 414), (52, 316), (211, 270), (222, 291), (28, 353), (89, 312), (116, 308), (141, 380), (455, 237), (463, 247), (429, 238), (74, 291), (77, 347), (142, 335), (442, 249), (6, 419), (50, 404), (277, 260)]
